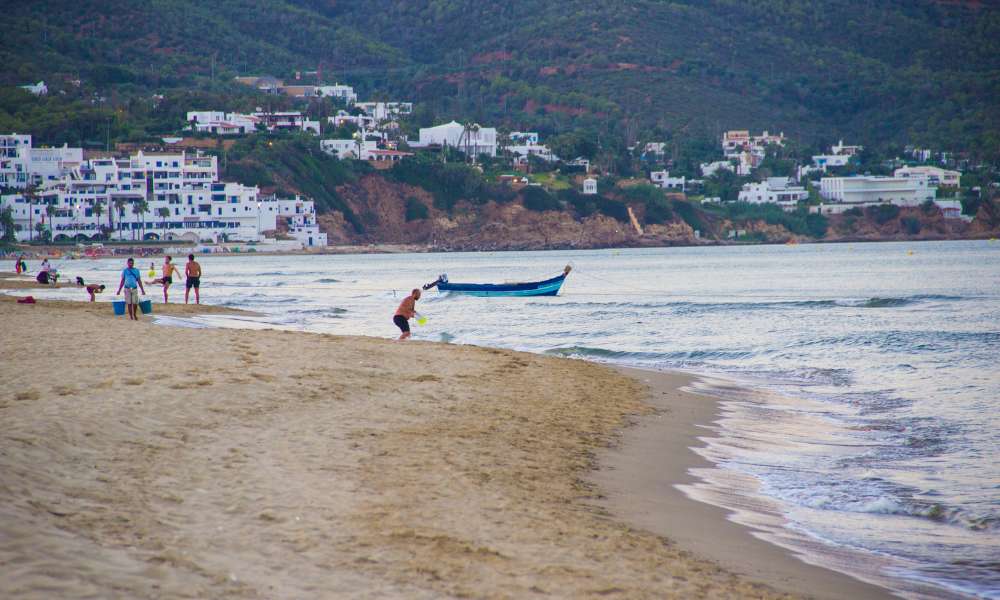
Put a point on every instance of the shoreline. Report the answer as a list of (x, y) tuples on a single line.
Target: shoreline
[(390, 248), (640, 479)]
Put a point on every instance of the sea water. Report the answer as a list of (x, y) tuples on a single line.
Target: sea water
[(859, 383)]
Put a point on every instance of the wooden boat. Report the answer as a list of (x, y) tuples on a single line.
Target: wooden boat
[(548, 287)]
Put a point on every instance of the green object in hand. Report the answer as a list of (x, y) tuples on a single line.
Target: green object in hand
[(421, 320)]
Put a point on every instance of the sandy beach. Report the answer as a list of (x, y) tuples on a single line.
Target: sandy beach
[(140, 460)]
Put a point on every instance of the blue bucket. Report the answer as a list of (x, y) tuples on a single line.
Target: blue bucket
[(119, 306), (146, 306)]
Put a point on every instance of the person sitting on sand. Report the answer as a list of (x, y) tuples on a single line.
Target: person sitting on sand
[(192, 271), (43, 278), (169, 270), (131, 278), (406, 311)]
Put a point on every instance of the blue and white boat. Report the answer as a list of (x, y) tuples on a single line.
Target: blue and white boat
[(548, 287)]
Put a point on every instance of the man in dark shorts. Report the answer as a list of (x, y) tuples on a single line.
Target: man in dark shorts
[(169, 270), (406, 311), (192, 270)]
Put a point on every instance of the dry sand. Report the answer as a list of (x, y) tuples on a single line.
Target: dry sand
[(145, 461)]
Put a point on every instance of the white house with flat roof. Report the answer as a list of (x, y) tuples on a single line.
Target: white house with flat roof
[(344, 92), (711, 168), (349, 148), (385, 111), (221, 123), (590, 186), (774, 190), (664, 180), (935, 175)]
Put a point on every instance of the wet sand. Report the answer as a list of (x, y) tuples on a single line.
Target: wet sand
[(138, 460), (640, 476)]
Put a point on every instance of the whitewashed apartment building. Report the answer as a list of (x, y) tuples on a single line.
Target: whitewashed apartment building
[(184, 198), (664, 180), (525, 144), (21, 164)]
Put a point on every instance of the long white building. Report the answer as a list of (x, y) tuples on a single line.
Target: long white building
[(21, 164), (155, 196), (935, 175), (867, 189)]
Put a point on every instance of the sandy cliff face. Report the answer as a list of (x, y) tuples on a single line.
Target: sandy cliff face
[(380, 206)]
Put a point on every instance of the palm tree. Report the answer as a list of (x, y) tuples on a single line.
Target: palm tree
[(50, 210), (29, 193), (120, 209), (136, 210), (98, 211), (143, 209), (163, 212)]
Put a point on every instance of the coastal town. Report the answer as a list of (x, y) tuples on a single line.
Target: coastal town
[(173, 191)]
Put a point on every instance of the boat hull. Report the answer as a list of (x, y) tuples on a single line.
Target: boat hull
[(549, 287)]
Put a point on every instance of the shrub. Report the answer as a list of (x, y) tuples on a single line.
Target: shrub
[(911, 225), (536, 198), (612, 208), (929, 208), (658, 212), (415, 210), (883, 213), (854, 212), (816, 225)]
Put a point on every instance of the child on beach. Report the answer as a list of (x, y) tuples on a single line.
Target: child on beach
[(406, 311), (131, 278), (169, 269), (192, 272)]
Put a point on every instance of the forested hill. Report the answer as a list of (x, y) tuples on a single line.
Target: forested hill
[(900, 71)]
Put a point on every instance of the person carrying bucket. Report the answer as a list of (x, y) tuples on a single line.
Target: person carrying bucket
[(131, 278)]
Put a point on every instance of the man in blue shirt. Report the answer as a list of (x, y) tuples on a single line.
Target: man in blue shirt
[(131, 278)]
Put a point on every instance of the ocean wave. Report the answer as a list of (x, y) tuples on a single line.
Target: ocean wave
[(686, 307), (605, 353), (327, 280)]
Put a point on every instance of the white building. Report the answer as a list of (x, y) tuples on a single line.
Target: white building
[(472, 140), (840, 149), (362, 122), (523, 137), (936, 176), (38, 89), (665, 181), (221, 123), (344, 92), (183, 197), (286, 121), (709, 169), (774, 190), (299, 217), (21, 164), (866, 190), (736, 142), (590, 186), (523, 152), (349, 148), (654, 149), (386, 111)]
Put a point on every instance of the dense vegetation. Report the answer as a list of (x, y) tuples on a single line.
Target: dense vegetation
[(602, 74)]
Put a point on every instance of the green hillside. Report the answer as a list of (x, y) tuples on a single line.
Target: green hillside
[(897, 71)]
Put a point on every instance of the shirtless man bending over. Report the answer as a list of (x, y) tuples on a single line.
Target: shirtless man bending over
[(192, 270)]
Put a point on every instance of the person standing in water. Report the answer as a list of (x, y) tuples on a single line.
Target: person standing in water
[(192, 271), (406, 311), (169, 270)]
